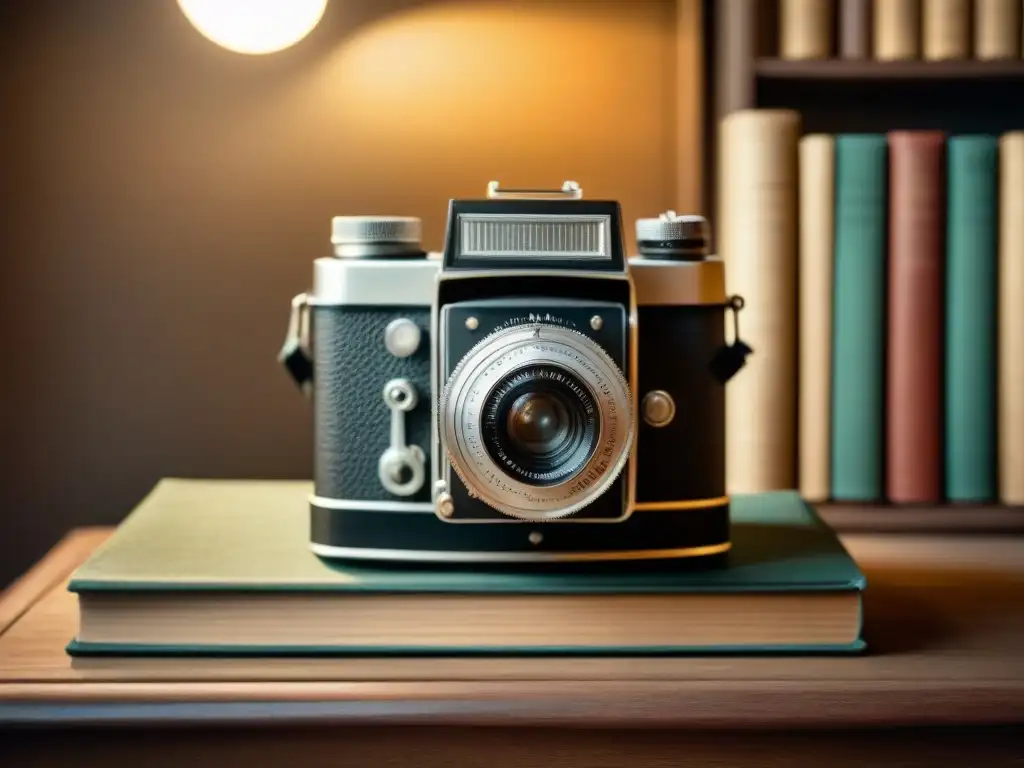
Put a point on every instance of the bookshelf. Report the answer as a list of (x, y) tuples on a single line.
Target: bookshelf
[(911, 73), (846, 95), (976, 519), (835, 94)]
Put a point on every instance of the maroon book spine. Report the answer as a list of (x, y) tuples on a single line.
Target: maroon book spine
[(855, 29), (914, 377)]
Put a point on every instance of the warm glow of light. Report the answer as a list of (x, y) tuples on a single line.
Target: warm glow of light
[(254, 26)]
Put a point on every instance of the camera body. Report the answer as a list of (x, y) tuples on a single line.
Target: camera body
[(530, 395)]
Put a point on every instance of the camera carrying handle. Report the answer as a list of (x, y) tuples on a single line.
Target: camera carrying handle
[(570, 191), (294, 354)]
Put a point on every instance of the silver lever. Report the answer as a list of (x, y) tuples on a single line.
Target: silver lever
[(401, 468), (570, 190)]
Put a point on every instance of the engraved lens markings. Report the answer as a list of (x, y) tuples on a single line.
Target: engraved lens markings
[(486, 369), (540, 424)]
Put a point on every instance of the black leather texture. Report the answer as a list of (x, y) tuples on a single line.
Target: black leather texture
[(686, 458), (352, 424)]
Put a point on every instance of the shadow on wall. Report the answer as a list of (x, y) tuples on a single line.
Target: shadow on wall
[(165, 199)]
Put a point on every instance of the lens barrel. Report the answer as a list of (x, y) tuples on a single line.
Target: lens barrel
[(540, 424), (537, 421)]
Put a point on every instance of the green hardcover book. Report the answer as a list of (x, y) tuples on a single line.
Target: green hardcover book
[(971, 297), (858, 320), (224, 567)]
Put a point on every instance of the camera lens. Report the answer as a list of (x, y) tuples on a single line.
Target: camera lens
[(540, 424), (536, 420)]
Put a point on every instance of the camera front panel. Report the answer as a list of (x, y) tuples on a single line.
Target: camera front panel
[(536, 427)]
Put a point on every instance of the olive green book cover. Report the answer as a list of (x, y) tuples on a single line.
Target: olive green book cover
[(224, 567)]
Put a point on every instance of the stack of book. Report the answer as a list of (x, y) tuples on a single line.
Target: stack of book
[(899, 30), (886, 275), (223, 568)]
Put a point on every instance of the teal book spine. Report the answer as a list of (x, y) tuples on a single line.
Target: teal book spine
[(971, 300), (858, 320)]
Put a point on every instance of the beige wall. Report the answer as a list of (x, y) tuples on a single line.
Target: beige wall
[(164, 200)]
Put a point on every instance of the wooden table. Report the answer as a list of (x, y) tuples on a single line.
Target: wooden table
[(943, 682)]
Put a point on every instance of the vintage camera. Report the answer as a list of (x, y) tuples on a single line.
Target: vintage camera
[(530, 395)]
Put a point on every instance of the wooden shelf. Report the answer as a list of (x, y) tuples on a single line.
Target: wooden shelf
[(942, 616), (868, 70), (947, 518)]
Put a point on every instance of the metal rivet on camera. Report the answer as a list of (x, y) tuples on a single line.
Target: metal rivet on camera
[(596, 322), (445, 505), (536, 537), (658, 408), (472, 323), (402, 337)]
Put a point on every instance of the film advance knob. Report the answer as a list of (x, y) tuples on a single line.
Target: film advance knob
[(376, 237), (682, 237)]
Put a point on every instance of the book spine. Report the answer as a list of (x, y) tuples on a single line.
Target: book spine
[(805, 29), (947, 29), (766, 25), (913, 404), (816, 226), (1011, 312), (855, 29), (758, 244), (997, 29), (897, 29), (858, 352), (735, 50), (971, 298)]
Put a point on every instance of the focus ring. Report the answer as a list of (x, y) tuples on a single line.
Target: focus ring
[(493, 361)]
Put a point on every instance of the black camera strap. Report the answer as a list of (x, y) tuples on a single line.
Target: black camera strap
[(294, 355), (730, 358)]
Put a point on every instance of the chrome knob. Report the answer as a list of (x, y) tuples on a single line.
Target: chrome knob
[(402, 337), (658, 408)]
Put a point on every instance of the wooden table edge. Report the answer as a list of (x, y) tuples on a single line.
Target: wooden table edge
[(734, 705), (55, 566), (702, 703)]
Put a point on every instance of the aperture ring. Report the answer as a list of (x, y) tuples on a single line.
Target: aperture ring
[(496, 359)]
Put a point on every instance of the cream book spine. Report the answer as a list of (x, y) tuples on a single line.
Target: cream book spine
[(805, 29), (1011, 318), (946, 29), (897, 29), (757, 230), (997, 29), (816, 245)]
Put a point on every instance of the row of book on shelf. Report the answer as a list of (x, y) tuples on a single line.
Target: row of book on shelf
[(884, 282), (893, 30)]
